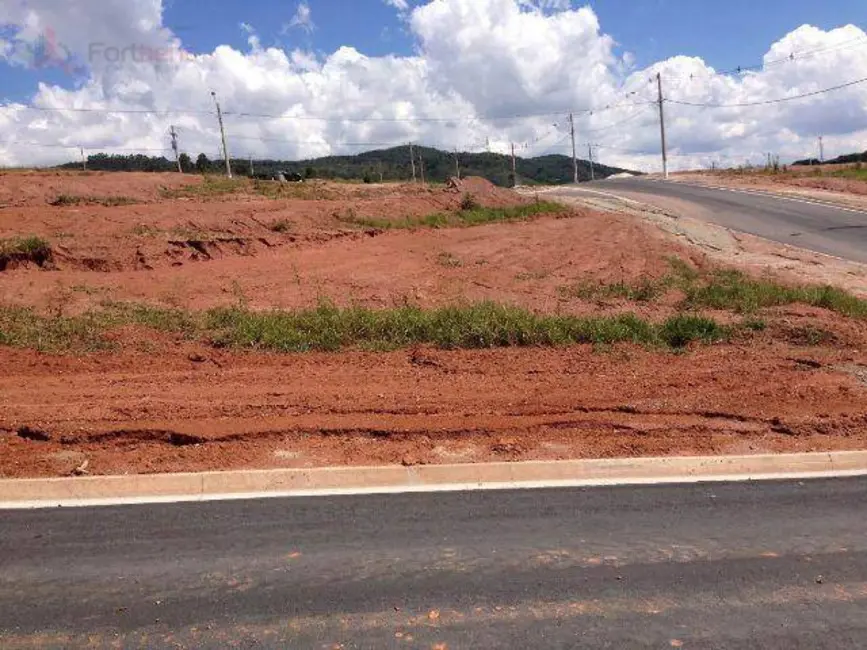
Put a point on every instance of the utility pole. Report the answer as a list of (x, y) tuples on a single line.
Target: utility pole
[(457, 165), (662, 126), (821, 150), (380, 171), (514, 167), (421, 167), (223, 135), (412, 161), (574, 150), (590, 151), (252, 171), (175, 148), (83, 159)]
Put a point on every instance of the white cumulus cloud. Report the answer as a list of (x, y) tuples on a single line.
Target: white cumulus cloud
[(303, 18), (484, 73)]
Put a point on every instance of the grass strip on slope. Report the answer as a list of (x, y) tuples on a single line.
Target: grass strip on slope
[(107, 201), (736, 291), (475, 216), (331, 328), (725, 289)]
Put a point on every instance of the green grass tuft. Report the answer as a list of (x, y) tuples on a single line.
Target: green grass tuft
[(682, 329), (733, 290), (108, 201), (24, 249), (281, 226), (725, 289)]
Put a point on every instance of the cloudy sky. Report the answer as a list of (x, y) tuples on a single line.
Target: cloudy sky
[(315, 77)]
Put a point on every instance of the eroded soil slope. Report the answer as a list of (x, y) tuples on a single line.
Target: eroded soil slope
[(789, 374)]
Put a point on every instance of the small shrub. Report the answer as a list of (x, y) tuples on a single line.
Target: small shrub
[(682, 329), (469, 202), (281, 226), (27, 249), (448, 260)]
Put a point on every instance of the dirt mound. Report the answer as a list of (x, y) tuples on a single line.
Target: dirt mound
[(485, 192), (36, 188)]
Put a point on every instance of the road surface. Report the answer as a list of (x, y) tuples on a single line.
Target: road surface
[(822, 228), (771, 565)]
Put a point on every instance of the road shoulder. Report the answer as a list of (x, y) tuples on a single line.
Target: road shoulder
[(219, 486)]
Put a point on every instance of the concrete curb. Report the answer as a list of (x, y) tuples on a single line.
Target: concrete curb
[(214, 486)]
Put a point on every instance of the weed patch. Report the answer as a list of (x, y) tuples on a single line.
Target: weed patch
[(733, 290), (448, 260), (475, 216), (107, 201), (331, 328), (725, 289), (281, 226), (24, 249)]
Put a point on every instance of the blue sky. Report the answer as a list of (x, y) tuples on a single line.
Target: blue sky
[(501, 61), (726, 35)]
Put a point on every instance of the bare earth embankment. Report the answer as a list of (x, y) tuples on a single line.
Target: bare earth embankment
[(153, 323)]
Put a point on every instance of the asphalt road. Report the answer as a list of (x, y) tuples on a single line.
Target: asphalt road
[(772, 565), (821, 228)]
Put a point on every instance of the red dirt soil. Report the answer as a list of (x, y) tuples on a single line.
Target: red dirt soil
[(198, 254), (135, 412), (163, 404)]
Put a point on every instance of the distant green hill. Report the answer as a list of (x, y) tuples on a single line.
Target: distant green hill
[(386, 164), (840, 160)]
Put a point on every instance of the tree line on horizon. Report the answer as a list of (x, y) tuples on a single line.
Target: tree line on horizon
[(846, 159), (371, 166)]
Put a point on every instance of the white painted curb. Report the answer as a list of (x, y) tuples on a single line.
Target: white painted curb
[(217, 486)]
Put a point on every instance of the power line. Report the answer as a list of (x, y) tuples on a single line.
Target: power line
[(769, 101), (794, 57), (7, 143), (106, 111), (322, 118), (619, 123)]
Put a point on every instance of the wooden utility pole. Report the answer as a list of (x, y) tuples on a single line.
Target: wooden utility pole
[(223, 135), (412, 161), (514, 167), (574, 150), (457, 165), (662, 126), (592, 172), (421, 167), (175, 149)]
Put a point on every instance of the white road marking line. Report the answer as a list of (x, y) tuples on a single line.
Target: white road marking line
[(433, 488), (770, 195), (727, 228)]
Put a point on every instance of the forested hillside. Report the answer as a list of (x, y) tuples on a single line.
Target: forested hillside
[(373, 166)]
